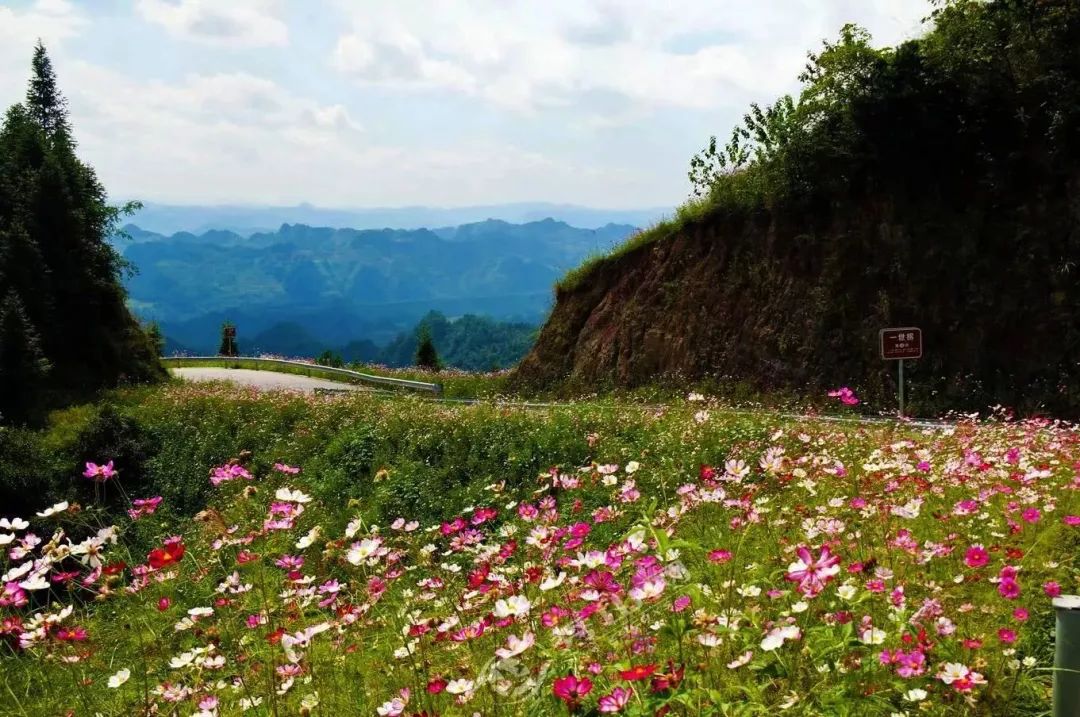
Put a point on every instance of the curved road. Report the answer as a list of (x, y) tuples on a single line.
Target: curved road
[(264, 380)]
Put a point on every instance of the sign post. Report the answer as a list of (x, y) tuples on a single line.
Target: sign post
[(897, 345)]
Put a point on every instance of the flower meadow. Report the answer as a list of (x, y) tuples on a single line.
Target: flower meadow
[(822, 569)]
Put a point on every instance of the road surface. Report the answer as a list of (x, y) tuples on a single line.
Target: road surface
[(264, 380)]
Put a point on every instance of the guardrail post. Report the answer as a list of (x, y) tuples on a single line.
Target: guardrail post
[(1067, 656)]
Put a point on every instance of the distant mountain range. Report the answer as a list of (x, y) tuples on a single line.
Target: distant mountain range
[(246, 220), (301, 289)]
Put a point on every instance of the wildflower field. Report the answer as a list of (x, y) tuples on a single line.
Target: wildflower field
[(681, 560)]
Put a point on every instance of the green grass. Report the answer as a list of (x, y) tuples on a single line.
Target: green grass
[(629, 470)]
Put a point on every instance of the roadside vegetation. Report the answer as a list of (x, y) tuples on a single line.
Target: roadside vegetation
[(227, 553)]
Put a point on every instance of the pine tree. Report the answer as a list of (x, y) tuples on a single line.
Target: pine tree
[(228, 341), (55, 259), (426, 355), (47, 106), (22, 364)]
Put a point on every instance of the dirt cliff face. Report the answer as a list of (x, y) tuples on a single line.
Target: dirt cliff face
[(679, 308), (795, 304)]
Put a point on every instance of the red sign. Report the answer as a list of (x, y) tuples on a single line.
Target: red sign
[(905, 343)]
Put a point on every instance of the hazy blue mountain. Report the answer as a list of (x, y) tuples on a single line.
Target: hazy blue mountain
[(300, 287), (245, 220)]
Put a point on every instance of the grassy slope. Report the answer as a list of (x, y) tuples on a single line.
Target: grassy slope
[(377, 460)]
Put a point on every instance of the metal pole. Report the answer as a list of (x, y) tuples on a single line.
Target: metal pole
[(901, 369), (1067, 656)]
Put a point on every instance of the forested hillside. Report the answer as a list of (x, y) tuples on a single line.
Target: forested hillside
[(342, 285), (933, 184)]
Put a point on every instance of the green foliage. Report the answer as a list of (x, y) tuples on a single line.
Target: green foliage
[(426, 355), (23, 367), (228, 345), (471, 343), (930, 184), (54, 219), (330, 358)]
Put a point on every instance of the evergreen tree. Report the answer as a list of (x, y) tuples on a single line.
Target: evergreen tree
[(157, 339), (228, 341), (54, 256), (47, 106), (22, 364), (426, 355)]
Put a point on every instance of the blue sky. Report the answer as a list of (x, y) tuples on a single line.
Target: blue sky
[(399, 102)]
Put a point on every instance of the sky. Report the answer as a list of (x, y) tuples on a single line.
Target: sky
[(368, 103)]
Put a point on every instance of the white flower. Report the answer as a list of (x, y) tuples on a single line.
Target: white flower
[(847, 591), (872, 636), (915, 695), (247, 703), (515, 645), (361, 551), (459, 687), (740, 660), (182, 660), (36, 581), (6, 538), (13, 524), (632, 467), (777, 636), (292, 496), (308, 540), (53, 510), (550, 583), (513, 606), (119, 678)]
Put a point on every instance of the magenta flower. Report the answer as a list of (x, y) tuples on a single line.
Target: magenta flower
[(1009, 589), (99, 474), (571, 689), (1052, 589), (976, 556), (846, 396), (813, 574)]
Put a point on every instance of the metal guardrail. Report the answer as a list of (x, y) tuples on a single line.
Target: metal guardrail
[(433, 388)]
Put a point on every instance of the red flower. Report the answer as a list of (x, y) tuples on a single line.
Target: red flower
[(638, 672), (436, 686), (167, 555)]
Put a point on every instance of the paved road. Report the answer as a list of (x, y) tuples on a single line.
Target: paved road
[(265, 380)]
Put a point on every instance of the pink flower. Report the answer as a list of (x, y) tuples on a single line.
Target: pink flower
[(1071, 520), (976, 556), (1052, 589), (1006, 635), (99, 474), (1009, 588), (719, 556), (1031, 515), (615, 701), (813, 574), (1020, 614), (846, 396), (570, 689), (284, 468)]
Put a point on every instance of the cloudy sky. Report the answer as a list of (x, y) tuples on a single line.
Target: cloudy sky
[(399, 102)]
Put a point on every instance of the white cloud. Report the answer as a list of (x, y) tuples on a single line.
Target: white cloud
[(236, 137), (526, 55), (52, 21), (236, 23)]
